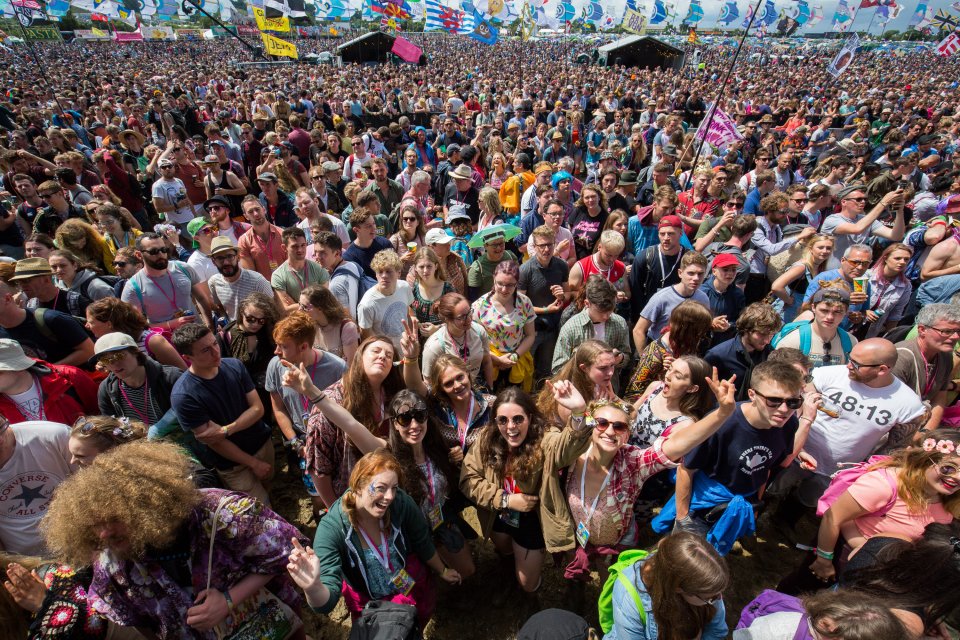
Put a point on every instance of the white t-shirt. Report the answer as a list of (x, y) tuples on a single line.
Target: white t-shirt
[(203, 265), (384, 314), (40, 462), (171, 191), (866, 415), (781, 625)]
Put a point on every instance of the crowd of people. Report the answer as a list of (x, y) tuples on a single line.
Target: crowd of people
[(476, 307)]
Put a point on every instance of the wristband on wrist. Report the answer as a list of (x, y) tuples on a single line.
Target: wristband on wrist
[(226, 596), (826, 555), (318, 399), (225, 429)]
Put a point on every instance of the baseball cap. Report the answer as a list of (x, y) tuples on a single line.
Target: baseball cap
[(670, 221), (453, 148), (12, 357), (111, 342), (725, 260), (211, 159), (832, 294), (166, 162), (437, 236), (267, 176)]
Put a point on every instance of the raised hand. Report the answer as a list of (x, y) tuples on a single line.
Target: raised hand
[(567, 396), (25, 587), (296, 378), (724, 390), (303, 566), (410, 340)]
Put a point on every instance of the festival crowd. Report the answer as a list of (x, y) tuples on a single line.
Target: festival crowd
[(501, 298)]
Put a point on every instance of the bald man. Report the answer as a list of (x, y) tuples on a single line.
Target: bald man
[(862, 402)]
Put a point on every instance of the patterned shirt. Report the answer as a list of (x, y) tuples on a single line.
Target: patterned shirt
[(505, 331)]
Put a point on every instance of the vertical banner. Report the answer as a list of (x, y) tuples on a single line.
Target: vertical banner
[(844, 56)]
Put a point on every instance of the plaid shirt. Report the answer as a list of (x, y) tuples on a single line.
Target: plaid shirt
[(632, 466), (579, 328)]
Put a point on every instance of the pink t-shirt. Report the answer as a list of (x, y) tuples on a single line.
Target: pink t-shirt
[(872, 491)]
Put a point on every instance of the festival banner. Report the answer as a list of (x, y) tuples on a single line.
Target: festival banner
[(406, 50), (949, 45), (722, 130), (247, 30), (159, 33), (189, 34), (121, 36), (91, 34), (277, 47), (281, 23), (634, 22), (844, 56), (42, 33)]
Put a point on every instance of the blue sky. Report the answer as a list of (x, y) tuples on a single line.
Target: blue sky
[(712, 11)]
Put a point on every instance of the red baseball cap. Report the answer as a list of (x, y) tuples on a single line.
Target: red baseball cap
[(670, 221), (725, 260)]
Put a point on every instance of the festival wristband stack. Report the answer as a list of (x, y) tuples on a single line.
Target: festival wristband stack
[(826, 555)]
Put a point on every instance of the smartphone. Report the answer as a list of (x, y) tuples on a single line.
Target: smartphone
[(903, 185)]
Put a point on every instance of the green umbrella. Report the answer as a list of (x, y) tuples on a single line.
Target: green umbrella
[(505, 231)]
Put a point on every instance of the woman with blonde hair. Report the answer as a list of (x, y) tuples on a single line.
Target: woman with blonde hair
[(373, 544), (430, 285), (498, 170), (590, 369), (790, 287), (680, 586), (412, 230), (137, 516), (490, 209), (85, 242)]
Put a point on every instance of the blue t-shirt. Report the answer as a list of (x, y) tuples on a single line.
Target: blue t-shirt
[(363, 257), (196, 401), (739, 456), (751, 204), (662, 304)]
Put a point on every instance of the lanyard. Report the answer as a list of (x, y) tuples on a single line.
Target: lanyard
[(663, 268), (462, 433), (303, 281), (510, 485), (313, 372), (931, 371), (583, 487), (146, 398), (173, 288), (40, 414), (382, 553), (268, 247)]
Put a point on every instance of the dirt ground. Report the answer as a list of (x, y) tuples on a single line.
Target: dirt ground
[(462, 613)]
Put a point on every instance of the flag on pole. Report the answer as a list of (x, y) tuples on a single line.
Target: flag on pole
[(281, 23), (291, 8), (949, 45), (406, 50), (634, 22), (722, 131), (844, 57), (278, 47)]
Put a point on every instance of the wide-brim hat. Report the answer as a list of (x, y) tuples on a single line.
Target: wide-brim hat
[(462, 172), (31, 268), (141, 140)]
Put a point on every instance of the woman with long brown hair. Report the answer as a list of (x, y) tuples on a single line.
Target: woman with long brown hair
[(681, 587), (109, 315), (460, 335), (336, 331), (685, 334), (85, 242), (512, 476), (792, 284), (373, 544), (590, 369)]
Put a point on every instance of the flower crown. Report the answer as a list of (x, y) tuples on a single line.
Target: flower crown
[(943, 446)]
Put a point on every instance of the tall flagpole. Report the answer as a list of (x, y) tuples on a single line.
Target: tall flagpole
[(36, 60), (235, 33), (720, 92)]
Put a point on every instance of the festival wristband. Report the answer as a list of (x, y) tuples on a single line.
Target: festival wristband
[(318, 399), (226, 596), (826, 555)]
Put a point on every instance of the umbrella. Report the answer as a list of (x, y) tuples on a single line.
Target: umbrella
[(505, 231)]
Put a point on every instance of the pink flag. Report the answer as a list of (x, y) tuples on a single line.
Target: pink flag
[(406, 50)]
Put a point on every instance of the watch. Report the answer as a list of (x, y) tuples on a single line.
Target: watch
[(503, 501)]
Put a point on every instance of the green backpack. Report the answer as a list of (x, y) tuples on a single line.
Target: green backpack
[(617, 573)]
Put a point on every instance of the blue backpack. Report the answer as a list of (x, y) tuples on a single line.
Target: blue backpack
[(846, 344), (364, 282)]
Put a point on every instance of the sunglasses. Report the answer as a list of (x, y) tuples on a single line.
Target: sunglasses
[(254, 320), (774, 402), (947, 469), (47, 195), (859, 263), (112, 357), (120, 265), (618, 426), (209, 231), (305, 307), (409, 219), (517, 420), (856, 366), (404, 419), (856, 199), (153, 252)]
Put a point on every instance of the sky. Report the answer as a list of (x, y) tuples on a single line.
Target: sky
[(711, 9)]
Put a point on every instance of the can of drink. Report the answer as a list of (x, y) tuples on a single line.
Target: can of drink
[(412, 247), (860, 285)]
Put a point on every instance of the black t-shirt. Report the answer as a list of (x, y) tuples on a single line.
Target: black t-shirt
[(222, 399), (586, 230), (363, 256), (62, 335), (536, 280), (740, 457), (469, 199)]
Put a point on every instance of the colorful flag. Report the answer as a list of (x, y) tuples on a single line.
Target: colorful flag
[(280, 23), (291, 8), (844, 57), (443, 18), (634, 22), (406, 50), (278, 47), (722, 130), (944, 21), (949, 45)]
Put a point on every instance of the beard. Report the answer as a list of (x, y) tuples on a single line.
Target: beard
[(159, 264), (228, 270)]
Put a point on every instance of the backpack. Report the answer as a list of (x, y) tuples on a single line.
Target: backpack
[(364, 282), (805, 332), (842, 480), (617, 574), (137, 290), (769, 602), (106, 279), (383, 620)]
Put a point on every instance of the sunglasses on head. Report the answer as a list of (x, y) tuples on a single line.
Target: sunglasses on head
[(153, 252), (602, 424), (774, 402), (406, 417), (505, 420)]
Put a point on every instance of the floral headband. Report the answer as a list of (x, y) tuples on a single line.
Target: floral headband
[(943, 446)]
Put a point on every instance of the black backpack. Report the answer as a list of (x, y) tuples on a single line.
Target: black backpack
[(381, 620)]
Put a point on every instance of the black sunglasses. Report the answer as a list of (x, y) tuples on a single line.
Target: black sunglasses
[(618, 426), (405, 418), (773, 402), (120, 264), (153, 252), (504, 420)]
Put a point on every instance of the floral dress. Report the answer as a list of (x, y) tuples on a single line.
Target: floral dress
[(505, 330), (423, 308)]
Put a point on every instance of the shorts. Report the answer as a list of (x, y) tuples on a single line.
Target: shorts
[(528, 535), (241, 477)]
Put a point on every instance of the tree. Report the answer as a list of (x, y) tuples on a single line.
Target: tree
[(891, 34)]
